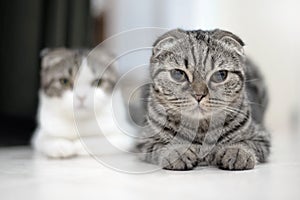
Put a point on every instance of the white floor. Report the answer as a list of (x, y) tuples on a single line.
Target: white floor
[(24, 175)]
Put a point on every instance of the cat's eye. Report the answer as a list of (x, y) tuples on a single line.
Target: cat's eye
[(65, 82), (97, 83), (219, 76), (178, 75)]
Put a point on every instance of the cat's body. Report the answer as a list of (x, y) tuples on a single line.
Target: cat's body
[(206, 103), (73, 107)]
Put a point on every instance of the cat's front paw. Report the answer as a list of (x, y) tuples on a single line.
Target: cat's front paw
[(179, 158), (60, 148), (235, 158)]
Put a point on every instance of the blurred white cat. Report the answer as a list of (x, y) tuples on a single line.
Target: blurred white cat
[(75, 105)]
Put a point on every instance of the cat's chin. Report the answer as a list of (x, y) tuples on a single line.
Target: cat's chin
[(83, 112), (194, 113)]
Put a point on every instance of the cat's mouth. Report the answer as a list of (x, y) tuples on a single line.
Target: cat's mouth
[(197, 109), (194, 113), (80, 107), (201, 109)]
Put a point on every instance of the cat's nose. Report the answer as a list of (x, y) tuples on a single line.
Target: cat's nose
[(81, 97), (199, 97)]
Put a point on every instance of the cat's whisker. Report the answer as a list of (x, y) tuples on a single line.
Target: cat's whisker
[(254, 103), (241, 140), (218, 101), (76, 73), (234, 110), (251, 80)]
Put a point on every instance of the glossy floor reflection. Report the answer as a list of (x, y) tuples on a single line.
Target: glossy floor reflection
[(24, 175)]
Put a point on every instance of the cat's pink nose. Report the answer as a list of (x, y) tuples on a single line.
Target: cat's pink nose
[(81, 97), (199, 97)]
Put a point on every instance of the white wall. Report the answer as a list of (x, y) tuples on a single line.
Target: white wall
[(270, 29)]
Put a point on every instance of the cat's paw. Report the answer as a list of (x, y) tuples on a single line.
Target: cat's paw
[(235, 158), (81, 148), (179, 158), (60, 148)]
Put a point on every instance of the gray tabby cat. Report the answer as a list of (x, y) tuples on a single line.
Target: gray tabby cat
[(206, 103)]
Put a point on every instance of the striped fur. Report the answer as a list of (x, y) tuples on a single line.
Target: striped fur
[(225, 128)]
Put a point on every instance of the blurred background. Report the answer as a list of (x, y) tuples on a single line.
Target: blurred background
[(270, 29)]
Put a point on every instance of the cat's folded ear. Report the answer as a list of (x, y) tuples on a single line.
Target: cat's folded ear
[(229, 39), (166, 41), (51, 57), (104, 62)]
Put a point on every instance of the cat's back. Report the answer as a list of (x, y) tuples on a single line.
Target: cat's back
[(256, 91)]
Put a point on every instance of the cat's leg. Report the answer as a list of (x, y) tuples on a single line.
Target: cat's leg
[(235, 157), (242, 155), (180, 156), (53, 147)]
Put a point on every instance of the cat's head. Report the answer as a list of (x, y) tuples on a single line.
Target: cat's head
[(198, 72), (72, 79)]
